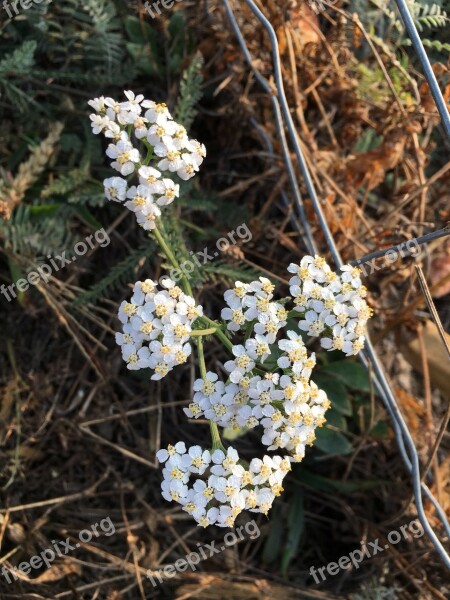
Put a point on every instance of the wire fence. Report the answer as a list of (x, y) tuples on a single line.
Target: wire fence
[(287, 131)]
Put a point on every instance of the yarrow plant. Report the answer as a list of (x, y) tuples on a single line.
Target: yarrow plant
[(268, 384)]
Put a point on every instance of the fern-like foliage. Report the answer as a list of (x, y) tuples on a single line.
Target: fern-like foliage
[(190, 92), (383, 21), (65, 183), (33, 232), (428, 16), (13, 66), (75, 187), (75, 40), (176, 235), (118, 276), (229, 273)]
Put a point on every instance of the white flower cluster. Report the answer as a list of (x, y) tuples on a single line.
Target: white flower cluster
[(251, 302), (222, 487), (268, 384), (168, 152), (157, 327), (331, 306), (288, 407)]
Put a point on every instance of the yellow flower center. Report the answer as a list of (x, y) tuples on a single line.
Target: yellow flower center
[(123, 158)]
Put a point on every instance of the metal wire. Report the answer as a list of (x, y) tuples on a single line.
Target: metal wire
[(406, 445), (280, 128), (405, 247), (426, 65)]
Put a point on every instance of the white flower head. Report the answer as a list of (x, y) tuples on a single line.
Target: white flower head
[(115, 189), (124, 156)]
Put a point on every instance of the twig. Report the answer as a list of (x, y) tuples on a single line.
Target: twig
[(60, 500)]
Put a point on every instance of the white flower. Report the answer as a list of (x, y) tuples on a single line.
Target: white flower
[(257, 348), (246, 417), (140, 196), (263, 392), (129, 337), (187, 306), (314, 323), (240, 365), (181, 140), (327, 300), (199, 151), (219, 410), (225, 518), (115, 189), (146, 217), (161, 134), (230, 460), (188, 167), (151, 178), (238, 293), (169, 191), (341, 340), (125, 156), (261, 469), (115, 132), (156, 113), (134, 102), (208, 385), (163, 454), (174, 490), (143, 291), (126, 311), (99, 123), (171, 157), (196, 460), (233, 313), (263, 288), (268, 328), (115, 110), (207, 517), (351, 275), (140, 127), (98, 104)]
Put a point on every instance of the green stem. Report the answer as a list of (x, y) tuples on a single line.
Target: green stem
[(187, 288), (296, 313), (219, 333), (215, 436), (173, 261), (201, 358), (216, 441), (150, 154), (202, 332)]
